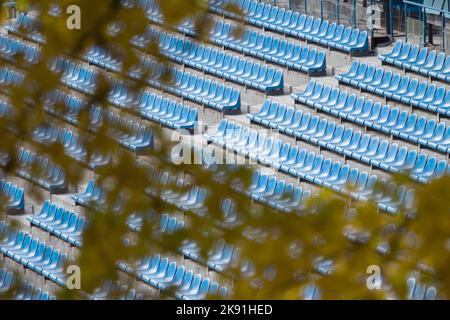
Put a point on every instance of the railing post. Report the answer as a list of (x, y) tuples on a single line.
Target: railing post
[(372, 18), (405, 9), (443, 31), (337, 11), (391, 20), (424, 31), (321, 9)]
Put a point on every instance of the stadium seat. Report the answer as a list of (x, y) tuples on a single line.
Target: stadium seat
[(113, 290), (418, 291), (103, 58)]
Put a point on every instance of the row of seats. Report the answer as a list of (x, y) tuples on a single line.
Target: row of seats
[(10, 49), (154, 107), (34, 254), (60, 222), (349, 142), (9, 77), (424, 61), (276, 193), (419, 291), (25, 291), (38, 169), (219, 258), (149, 105), (75, 75), (262, 78), (279, 51), (275, 18), (113, 290), (167, 224), (311, 167), (398, 87), (130, 134), (27, 26), (190, 86), (13, 197), (74, 145), (163, 274), (219, 63), (103, 58), (392, 121), (95, 197), (415, 291), (126, 132), (194, 200)]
